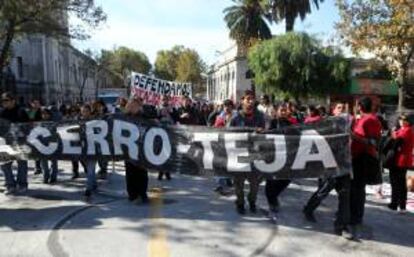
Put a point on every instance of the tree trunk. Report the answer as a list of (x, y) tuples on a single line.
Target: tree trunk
[(400, 97), (290, 22), (6, 48)]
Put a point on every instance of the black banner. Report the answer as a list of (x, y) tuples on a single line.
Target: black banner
[(293, 152)]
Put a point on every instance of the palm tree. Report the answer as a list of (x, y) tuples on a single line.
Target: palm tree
[(246, 21), (289, 10)]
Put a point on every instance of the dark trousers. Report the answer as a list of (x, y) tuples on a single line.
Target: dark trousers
[(38, 166), (161, 175), (398, 187), (254, 181), (75, 167), (358, 194), (342, 187), (273, 188), (136, 178), (103, 166)]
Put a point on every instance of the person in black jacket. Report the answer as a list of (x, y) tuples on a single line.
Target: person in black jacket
[(274, 187), (341, 184), (13, 113), (187, 114), (136, 175)]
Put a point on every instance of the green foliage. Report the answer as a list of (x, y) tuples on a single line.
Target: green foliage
[(290, 10), (48, 17), (246, 21), (180, 64), (166, 63), (296, 64), (122, 61), (386, 29)]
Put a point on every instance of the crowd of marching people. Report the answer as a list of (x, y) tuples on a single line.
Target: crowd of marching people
[(372, 140)]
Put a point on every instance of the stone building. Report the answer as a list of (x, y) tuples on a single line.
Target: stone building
[(229, 77), (52, 70)]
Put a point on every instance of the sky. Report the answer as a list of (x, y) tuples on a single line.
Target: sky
[(153, 25)]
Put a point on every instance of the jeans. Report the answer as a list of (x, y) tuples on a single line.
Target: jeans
[(398, 179), (90, 166), (46, 170), (11, 182)]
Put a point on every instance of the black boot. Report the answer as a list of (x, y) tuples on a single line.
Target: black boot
[(240, 209), (309, 216), (253, 208)]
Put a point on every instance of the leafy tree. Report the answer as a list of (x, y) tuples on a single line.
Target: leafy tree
[(166, 63), (180, 64), (49, 17), (190, 68), (121, 61), (246, 21), (295, 63), (289, 10), (385, 28)]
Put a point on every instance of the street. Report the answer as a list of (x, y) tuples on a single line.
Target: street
[(185, 218)]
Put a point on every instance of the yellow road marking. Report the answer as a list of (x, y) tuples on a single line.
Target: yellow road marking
[(158, 246)]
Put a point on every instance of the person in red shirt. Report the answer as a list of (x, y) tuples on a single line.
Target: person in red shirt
[(224, 118), (366, 133), (404, 137), (313, 115)]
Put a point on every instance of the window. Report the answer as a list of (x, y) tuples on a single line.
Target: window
[(20, 66)]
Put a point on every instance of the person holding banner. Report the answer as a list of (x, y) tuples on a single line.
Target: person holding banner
[(89, 165), (223, 120), (248, 116), (13, 113), (136, 175), (341, 184), (100, 111), (274, 187), (187, 114), (48, 177), (35, 115), (167, 116), (366, 134)]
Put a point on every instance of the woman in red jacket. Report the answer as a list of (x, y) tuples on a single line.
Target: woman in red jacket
[(403, 161)]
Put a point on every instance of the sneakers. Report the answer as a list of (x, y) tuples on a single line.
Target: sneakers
[(22, 190), (10, 191), (402, 211)]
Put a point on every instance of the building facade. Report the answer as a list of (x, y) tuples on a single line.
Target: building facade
[(229, 77), (51, 70)]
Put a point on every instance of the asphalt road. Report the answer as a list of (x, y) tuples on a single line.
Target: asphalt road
[(185, 218)]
